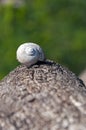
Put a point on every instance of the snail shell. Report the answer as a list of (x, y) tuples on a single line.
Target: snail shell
[(29, 54)]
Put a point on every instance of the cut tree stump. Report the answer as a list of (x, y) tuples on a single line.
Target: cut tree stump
[(46, 96)]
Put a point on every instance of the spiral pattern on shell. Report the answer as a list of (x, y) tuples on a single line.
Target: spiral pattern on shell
[(29, 54)]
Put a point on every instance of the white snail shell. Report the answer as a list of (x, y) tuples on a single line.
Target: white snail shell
[(29, 54)]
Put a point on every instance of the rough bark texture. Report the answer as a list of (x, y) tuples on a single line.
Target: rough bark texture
[(45, 96)]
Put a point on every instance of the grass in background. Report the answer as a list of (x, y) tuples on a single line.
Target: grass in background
[(58, 26)]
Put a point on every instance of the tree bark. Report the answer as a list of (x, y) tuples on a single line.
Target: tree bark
[(46, 96)]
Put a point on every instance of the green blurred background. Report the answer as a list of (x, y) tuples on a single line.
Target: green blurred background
[(59, 26)]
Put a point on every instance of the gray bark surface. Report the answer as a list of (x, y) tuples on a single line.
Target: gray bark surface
[(46, 96)]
